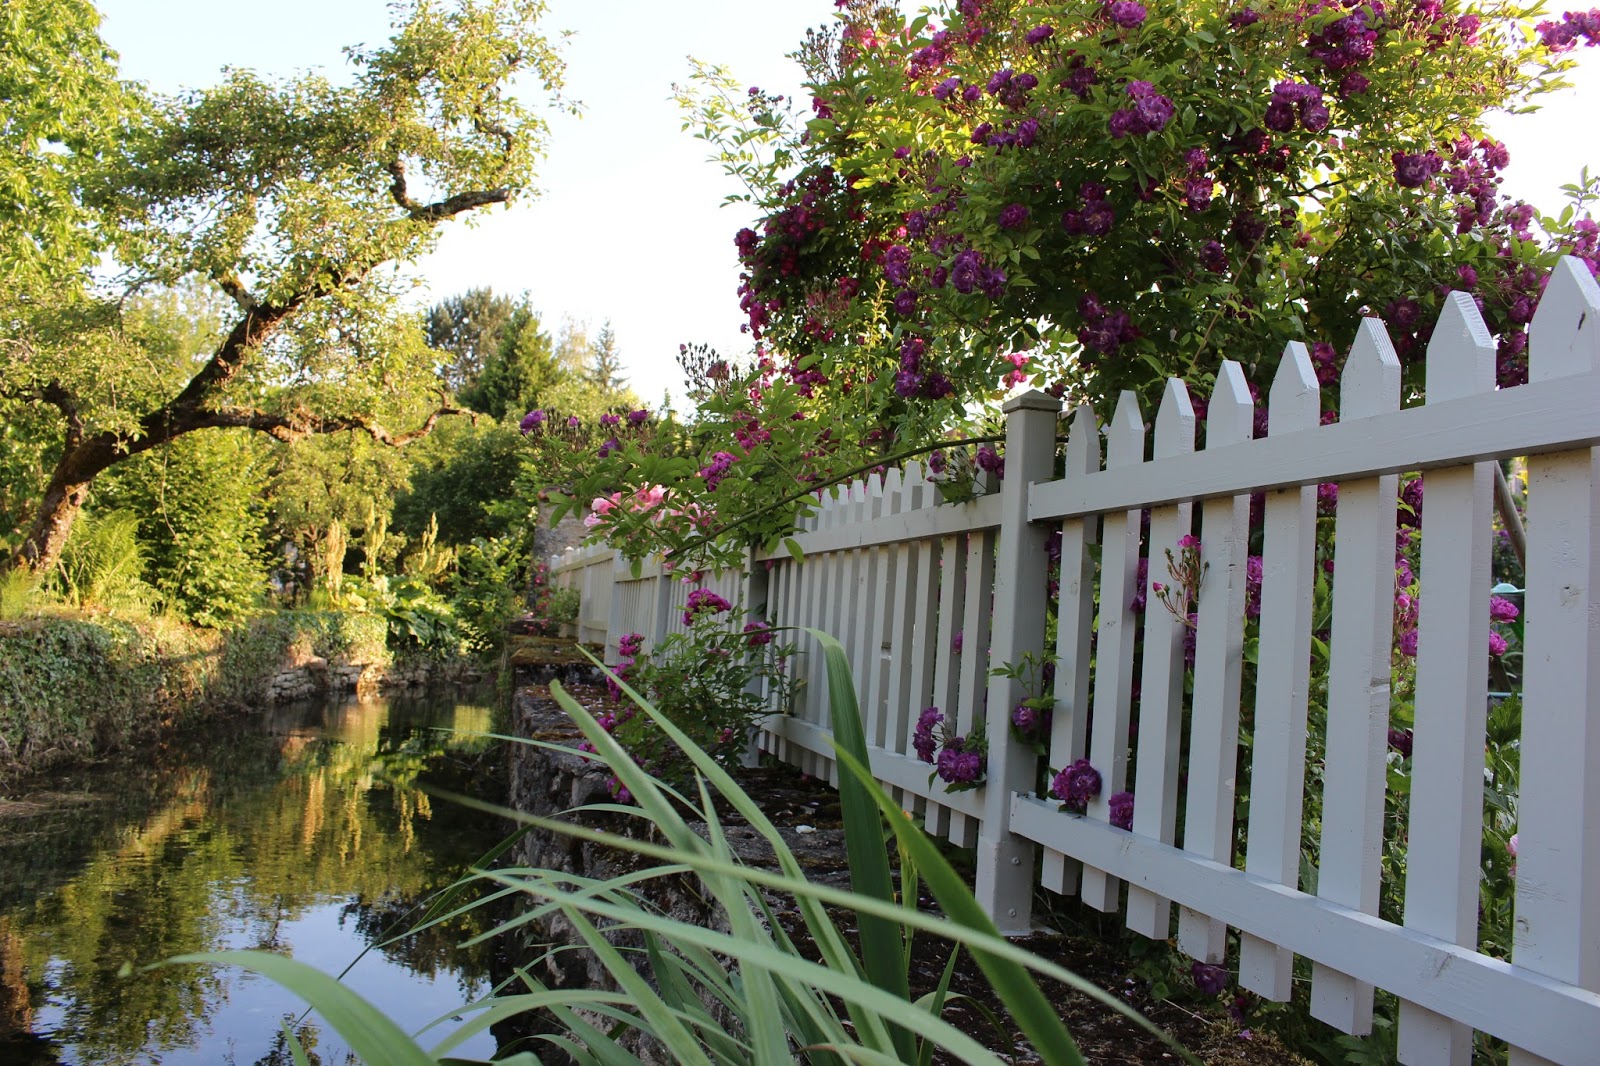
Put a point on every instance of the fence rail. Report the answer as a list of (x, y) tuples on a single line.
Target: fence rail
[(928, 597)]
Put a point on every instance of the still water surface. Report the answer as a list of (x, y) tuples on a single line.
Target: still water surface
[(298, 830)]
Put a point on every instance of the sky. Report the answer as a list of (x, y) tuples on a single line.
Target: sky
[(628, 225)]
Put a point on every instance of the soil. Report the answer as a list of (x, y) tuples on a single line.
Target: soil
[(807, 812)]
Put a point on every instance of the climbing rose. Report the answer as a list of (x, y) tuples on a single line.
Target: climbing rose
[(1126, 13), (1014, 216), (957, 766), (532, 420), (1121, 809), (1208, 979)]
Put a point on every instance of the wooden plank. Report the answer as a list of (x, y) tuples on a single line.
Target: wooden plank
[(1218, 669), (925, 622), (976, 618), (1445, 820), (1113, 682), (1558, 861), (1361, 643), (885, 580), (1278, 759), (1155, 810), (1558, 1020), (952, 577), (947, 519), (1069, 732), (1542, 416)]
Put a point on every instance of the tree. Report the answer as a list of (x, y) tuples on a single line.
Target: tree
[(522, 369), (287, 196), (468, 330), (604, 369)]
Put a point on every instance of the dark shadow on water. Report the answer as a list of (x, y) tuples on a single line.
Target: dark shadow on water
[(300, 830)]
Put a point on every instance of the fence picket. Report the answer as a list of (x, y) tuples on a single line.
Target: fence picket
[(924, 623), (1113, 682), (1069, 732), (973, 672), (1358, 679), (1278, 761), (1445, 820), (1558, 862), (1155, 778), (1218, 667), (952, 579)]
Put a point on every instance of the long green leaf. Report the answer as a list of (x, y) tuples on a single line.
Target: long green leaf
[(373, 1037), (1013, 984), (883, 941)]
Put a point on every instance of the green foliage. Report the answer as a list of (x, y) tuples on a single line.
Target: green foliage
[(484, 588), (466, 331), (464, 474), (712, 681), (519, 371), (103, 564), (287, 196), (64, 108), (201, 523)]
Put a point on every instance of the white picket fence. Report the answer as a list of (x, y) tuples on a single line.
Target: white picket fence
[(897, 575)]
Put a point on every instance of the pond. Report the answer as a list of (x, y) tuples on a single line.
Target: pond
[(299, 830)]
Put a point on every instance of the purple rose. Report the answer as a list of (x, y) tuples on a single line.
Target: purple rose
[(1126, 13), (1209, 980), (1039, 33), (905, 303), (946, 89), (1121, 810), (638, 417), (1014, 216), (532, 420), (1412, 169), (1197, 193)]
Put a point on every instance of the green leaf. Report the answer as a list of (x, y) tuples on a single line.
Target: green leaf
[(794, 549), (373, 1037)]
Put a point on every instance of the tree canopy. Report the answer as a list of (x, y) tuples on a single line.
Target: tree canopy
[(286, 195)]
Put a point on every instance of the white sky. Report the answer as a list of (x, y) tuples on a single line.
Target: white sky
[(629, 225)]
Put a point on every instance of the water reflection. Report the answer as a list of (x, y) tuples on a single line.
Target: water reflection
[(299, 830)]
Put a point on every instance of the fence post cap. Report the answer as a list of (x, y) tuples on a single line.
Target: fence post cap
[(1032, 400)]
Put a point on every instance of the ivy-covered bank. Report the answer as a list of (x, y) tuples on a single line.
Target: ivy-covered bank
[(73, 688)]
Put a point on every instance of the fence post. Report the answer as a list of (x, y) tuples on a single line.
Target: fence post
[(1005, 862)]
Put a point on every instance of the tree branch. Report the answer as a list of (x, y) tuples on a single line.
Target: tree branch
[(299, 424), (237, 292), (440, 210)]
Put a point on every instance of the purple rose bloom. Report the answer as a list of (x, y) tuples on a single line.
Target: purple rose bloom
[(1098, 218), (897, 264), (1279, 116), (1497, 644), (1014, 216), (1196, 159), (1197, 193), (1121, 123), (1502, 609), (1244, 17), (1126, 13), (1039, 33), (1314, 116), (1154, 111), (958, 766), (609, 419), (1354, 83), (1400, 740), (1024, 717), (1121, 810), (638, 417), (1076, 785), (574, 422), (1412, 169), (1213, 257), (905, 303), (946, 89), (532, 420), (971, 93), (1209, 980), (965, 271)]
